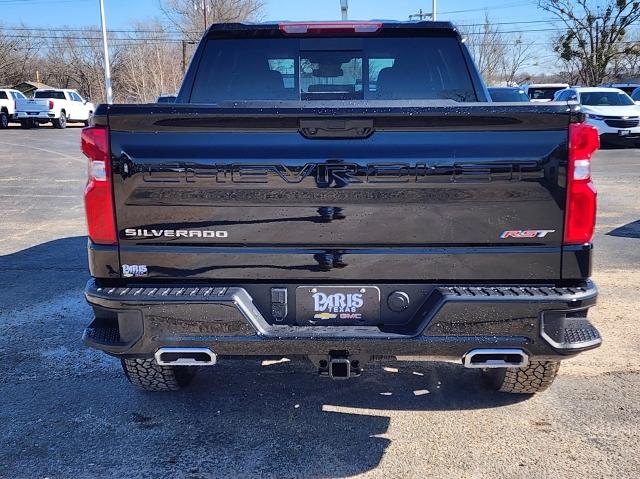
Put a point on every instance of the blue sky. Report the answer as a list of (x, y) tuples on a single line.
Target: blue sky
[(121, 13)]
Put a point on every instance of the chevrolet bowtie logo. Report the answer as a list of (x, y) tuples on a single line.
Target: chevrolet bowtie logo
[(325, 316)]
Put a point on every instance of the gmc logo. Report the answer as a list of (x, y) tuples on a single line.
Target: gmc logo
[(525, 234)]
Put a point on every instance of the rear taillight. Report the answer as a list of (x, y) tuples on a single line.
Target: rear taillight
[(580, 215), (50, 104), (328, 28), (98, 195)]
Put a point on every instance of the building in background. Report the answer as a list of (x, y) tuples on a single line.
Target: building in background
[(28, 87)]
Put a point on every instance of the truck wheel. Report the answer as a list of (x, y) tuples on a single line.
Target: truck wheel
[(4, 120), (60, 123), (150, 376), (26, 124), (533, 378)]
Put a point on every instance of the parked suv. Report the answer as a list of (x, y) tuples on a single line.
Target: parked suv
[(610, 110), (628, 88)]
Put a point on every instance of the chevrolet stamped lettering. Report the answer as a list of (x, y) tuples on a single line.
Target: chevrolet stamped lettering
[(337, 172)]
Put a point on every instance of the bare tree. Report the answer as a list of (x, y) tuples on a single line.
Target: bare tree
[(500, 57), (149, 64), (75, 60), (516, 55), (144, 64), (193, 17), (595, 34), (627, 67), (18, 55), (487, 46)]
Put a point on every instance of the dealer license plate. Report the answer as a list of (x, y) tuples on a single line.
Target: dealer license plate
[(338, 304)]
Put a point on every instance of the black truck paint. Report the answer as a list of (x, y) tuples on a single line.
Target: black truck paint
[(227, 216)]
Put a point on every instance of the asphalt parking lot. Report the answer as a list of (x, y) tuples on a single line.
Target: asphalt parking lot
[(66, 411)]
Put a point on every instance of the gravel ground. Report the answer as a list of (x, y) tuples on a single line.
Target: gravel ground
[(67, 412)]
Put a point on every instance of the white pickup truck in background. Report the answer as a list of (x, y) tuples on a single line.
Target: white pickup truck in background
[(56, 106), (8, 100)]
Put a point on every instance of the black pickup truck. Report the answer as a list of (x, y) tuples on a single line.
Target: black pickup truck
[(343, 192)]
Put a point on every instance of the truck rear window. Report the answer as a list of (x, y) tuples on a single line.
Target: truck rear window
[(53, 95), (418, 68)]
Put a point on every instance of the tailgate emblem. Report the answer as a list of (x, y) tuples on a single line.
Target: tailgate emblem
[(151, 233), (325, 316), (525, 233)]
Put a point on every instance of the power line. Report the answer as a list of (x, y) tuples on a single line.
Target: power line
[(144, 42), (67, 37), (182, 32), (501, 7), (173, 33), (90, 30), (169, 37), (139, 30), (36, 2)]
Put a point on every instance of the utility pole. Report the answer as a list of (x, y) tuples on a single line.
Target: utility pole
[(184, 56), (204, 9), (344, 8), (596, 50), (184, 53), (422, 15), (107, 69)]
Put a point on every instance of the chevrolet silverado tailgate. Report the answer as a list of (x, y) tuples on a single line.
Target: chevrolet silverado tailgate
[(407, 193)]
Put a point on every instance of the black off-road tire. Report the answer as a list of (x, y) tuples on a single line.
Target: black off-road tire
[(60, 123), (4, 120), (533, 378), (148, 375)]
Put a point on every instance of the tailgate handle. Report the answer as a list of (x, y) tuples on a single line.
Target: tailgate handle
[(336, 128)]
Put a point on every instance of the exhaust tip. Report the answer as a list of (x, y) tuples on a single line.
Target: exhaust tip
[(495, 358), (185, 357)]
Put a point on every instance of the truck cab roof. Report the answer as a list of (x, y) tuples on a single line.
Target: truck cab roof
[(330, 28)]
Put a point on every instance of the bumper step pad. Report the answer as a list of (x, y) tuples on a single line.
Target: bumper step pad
[(569, 331), (107, 335), (529, 292), (581, 335), (209, 292)]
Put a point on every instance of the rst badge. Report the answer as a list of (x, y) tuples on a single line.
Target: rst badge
[(337, 304), (521, 234)]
